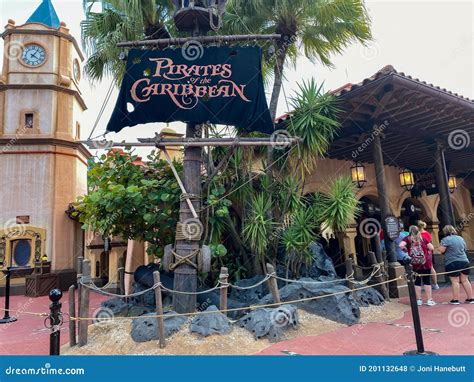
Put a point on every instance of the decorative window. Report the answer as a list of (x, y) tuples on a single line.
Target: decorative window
[(21, 255), (29, 123), (29, 120)]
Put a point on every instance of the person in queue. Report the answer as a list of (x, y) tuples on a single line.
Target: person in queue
[(419, 250), (456, 262), (422, 227)]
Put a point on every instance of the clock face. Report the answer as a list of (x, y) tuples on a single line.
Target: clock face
[(33, 55), (76, 70)]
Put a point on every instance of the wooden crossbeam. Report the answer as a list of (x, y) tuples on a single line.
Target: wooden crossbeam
[(202, 39), (276, 140)]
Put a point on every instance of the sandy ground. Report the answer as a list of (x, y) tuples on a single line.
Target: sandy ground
[(111, 338)]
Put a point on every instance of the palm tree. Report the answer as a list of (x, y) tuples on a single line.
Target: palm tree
[(118, 21), (320, 27)]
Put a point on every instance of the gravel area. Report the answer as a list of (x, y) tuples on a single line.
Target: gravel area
[(111, 338)]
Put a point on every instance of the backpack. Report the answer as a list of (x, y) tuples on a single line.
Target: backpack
[(416, 253)]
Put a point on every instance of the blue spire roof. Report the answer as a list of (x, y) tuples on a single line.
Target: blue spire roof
[(45, 14)]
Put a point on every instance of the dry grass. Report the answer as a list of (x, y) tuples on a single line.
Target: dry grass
[(114, 337)]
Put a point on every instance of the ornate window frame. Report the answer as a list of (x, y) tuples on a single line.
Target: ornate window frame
[(37, 236)]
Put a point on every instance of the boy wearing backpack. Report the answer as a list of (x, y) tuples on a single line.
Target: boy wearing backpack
[(419, 249)]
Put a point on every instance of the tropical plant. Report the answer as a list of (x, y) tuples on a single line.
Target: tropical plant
[(118, 21), (131, 201), (320, 27)]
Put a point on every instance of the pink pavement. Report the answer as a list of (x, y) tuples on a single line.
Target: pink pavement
[(28, 335), (448, 329)]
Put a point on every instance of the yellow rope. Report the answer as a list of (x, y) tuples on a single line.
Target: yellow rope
[(444, 273)]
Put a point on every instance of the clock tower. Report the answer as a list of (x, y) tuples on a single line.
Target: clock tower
[(42, 164)]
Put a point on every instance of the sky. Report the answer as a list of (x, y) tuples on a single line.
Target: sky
[(427, 39)]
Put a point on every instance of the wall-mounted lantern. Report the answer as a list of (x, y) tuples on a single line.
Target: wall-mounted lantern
[(407, 179), (358, 174), (452, 183)]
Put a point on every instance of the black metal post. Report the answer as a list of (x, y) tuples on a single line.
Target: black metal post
[(55, 321), (6, 317), (420, 347)]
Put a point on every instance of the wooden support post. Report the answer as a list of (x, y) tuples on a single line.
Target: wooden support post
[(383, 197), (445, 203), (349, 272), (378, 276), (121, 276), (72, 313), (273, 285), (84, 303), (185, 275), (159, 309), (223, 279), (80, 259)]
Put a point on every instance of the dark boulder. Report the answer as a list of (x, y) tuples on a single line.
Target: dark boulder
[(213, 298), (252, 295), (341, 308), (271, 323), (368, 296), (117, 306), (322, 264), (145, 328), (211, 323)]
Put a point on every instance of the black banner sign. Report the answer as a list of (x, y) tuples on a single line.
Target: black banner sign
[(221, 85)]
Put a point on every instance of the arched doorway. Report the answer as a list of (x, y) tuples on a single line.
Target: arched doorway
[(412, 211)]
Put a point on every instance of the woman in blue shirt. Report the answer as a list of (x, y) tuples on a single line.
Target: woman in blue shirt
[(456, 262)]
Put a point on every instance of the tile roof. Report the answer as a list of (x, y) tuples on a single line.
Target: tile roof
[(384, 72)]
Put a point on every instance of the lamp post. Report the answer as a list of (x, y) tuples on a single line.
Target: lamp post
[(358, 174), (407, 180)]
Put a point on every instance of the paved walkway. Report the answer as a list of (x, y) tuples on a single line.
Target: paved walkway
[(28, 335), (448, 329)]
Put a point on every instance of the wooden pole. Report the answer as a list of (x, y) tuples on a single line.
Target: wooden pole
[(84, 303), (349, 272), (80, 259), (72, 313), (383, 196), (185, 274), (121, 276), (378, 275), (445, 203), (223, 279), (201, 142), (159, 310), (202, 39), (273, 285)]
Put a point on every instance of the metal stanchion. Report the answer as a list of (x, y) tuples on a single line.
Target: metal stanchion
[(420, 347), (56, 320), (7, 318)]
